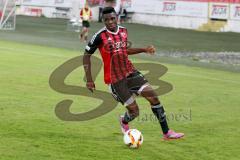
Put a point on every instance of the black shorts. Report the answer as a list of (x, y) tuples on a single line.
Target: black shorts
[(124, 89), (85, 24)]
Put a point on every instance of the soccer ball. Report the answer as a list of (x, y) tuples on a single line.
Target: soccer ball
[(133, 138)]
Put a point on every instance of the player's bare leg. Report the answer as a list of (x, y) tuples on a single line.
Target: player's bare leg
[(86, 35), (131, 113), (83, 33), (158, 110)]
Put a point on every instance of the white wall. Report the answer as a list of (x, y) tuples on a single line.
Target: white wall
[(185, 14), (177, 14), (169, 21), (233, 26), (167, 13), (48, 7)]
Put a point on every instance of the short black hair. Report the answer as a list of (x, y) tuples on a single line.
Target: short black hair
[(108, 10)]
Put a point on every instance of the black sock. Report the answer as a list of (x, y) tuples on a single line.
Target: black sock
[(128, 118), (159, 112)]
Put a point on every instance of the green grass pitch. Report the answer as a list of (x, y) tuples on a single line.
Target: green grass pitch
[(204, 104), (29, 128)]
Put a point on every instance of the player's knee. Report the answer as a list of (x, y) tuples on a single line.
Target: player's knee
[(153, 100)]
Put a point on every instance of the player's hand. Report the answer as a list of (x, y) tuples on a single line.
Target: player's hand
[(90, 86), (150, 50)]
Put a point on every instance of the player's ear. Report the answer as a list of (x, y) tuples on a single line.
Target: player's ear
[(103, 20)]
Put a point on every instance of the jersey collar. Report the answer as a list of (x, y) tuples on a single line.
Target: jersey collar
[(115, 33)]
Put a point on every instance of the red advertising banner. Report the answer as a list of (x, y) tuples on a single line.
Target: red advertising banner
[(169, 7), (33, 11), (94, 2), (235, 11), (219, 10)]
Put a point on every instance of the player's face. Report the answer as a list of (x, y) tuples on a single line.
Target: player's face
[(110, 21)]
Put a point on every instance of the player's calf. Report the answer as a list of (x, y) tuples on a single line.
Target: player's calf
[(129, 116)]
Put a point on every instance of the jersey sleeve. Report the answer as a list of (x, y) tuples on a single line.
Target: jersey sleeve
[(81, 13), (93, 44), (90, 13)]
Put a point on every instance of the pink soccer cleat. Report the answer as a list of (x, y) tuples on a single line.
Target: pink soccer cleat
[(124, 127), (172, 135)]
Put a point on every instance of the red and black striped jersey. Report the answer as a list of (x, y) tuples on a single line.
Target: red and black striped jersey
[(113, 49)]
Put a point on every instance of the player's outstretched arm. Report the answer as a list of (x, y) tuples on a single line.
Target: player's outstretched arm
[(148, 50), (87, 68)]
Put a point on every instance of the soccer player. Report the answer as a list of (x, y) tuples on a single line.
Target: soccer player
[(119, 73), (86, 16)]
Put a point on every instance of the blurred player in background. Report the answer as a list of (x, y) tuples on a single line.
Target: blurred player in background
[(122, 77), (86, 16)]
